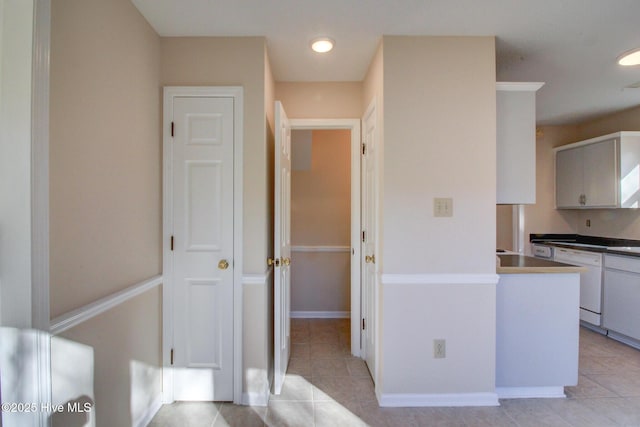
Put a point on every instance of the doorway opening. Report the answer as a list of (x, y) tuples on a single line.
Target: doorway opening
[(325, 221)]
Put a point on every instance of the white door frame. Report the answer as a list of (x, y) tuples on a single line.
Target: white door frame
[(170, 93), (354, 126)]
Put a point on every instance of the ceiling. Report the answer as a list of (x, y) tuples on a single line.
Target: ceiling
[(572, 45)]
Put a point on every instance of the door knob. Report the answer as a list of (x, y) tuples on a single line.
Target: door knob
[(286, 261), (223, 264), (275, 262)]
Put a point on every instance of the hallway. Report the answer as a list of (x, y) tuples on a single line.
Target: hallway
[(326, 386)]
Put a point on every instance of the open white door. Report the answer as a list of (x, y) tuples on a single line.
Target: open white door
[(282, 250), (368, 277)]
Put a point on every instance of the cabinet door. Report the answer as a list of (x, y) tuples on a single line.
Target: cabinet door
[(621, 301), (569, 178), (516, 147), (601, 174)]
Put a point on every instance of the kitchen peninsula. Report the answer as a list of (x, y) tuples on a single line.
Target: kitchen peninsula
[(537, 327)]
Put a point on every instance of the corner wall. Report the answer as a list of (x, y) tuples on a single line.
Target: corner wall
[(439, 141), (105, 193)]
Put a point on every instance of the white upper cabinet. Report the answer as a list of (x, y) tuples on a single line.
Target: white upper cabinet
[(602, 172), (516, 142)]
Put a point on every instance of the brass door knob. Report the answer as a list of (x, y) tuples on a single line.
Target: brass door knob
[(286, 261), (223, 264), (275, 262)]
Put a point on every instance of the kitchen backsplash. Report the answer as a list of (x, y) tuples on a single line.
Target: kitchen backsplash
[(618, 223)]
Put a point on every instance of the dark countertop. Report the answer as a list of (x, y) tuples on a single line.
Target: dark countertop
[(605, 245), (520, 264)]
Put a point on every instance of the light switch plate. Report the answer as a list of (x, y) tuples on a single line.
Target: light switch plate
[(442, 207)]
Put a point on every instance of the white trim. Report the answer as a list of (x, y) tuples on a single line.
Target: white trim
[(530, 392), (519, 86), (310, 248), (40, 165), (400, 400), (439, 279), (256, 279), (517, 228), (148, 415), (354, 125), (40, 301), (237, 93), (91, 310), (631, 342), (320, 314), (256, 399), (325, 124)]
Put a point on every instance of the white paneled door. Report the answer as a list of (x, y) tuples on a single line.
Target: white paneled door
[(202, 243), (368, 278), (282, 249)]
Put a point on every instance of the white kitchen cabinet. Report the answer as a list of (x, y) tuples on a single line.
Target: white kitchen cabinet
[(602, 172), (516, 142), (621, 311)]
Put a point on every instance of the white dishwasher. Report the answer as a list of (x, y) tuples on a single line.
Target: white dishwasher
[(590, 281)]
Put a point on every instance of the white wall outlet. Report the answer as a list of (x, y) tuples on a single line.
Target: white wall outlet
[(442, 206), (439, 349)]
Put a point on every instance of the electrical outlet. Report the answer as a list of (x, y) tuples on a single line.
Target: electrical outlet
[(588, 223), (439, 349)]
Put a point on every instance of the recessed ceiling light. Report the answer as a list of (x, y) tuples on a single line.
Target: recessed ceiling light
[(322, 44), (630, 58)]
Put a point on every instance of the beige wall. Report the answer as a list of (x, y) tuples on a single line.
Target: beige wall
[(105, 184), (104, 151), (439, 141), (623, 120), (504, 227), (321, 216), (126, 344), (322, 100)]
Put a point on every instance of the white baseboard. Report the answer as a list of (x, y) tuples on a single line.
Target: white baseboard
[(624, 339), (255, 398), (434, 400), (320, 314), (148, 415), (530, 392)]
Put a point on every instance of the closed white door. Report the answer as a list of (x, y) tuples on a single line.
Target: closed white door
[(369, 238), (282, 249), (202, 233)]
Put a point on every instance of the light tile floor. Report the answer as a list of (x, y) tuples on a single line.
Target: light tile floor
[(326, 386)]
